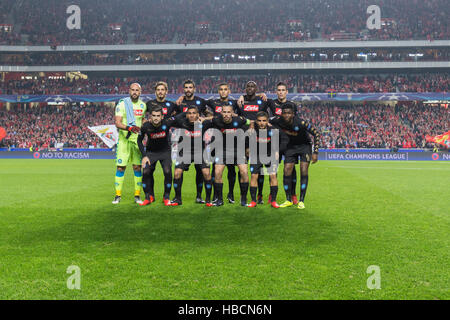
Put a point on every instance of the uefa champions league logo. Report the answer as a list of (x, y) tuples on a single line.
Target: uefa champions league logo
[(59, 99)]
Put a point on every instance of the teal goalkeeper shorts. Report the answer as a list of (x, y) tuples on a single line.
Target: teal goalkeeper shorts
[(127, 151)]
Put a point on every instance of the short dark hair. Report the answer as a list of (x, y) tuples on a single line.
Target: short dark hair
[(287, 106), (281, 83), (189, 81), (262, 114), (192, 107), (227, 106), (157, 109), (222, 84)]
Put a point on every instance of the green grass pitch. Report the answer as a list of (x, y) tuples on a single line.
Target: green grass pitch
[(57, 213)]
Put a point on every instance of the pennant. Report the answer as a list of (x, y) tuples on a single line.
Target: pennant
[(108, 134)]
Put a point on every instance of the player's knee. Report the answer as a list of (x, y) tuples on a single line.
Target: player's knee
[(167, 172), (273, 179), (178, 174), (207, 176), (244, 178)]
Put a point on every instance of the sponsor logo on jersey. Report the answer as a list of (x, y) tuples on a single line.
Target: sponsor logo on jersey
[(164, 110), (227, 131), (138, 112), (193, 134), (218, 109), (262, 140), (278, 111), (158, 135), (290, 133), (251, 108), (185, 109)]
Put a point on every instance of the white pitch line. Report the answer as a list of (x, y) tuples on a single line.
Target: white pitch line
[(392, 168)]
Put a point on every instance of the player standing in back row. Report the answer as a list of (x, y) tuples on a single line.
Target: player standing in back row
[(251, 105), (217, 106), (128, 119), (169, 108), (184, 102), (275, 110)]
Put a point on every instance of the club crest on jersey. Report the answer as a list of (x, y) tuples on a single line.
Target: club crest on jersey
[(252, 108), (167, 104), (259, 101), (218, 109), (197, 102)]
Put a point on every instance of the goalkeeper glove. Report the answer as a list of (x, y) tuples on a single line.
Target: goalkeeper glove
[(134, 129)]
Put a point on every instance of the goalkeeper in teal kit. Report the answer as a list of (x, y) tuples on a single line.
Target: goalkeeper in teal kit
[(128, 119)]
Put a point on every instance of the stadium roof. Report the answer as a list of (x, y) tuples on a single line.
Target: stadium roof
[(241, 46)]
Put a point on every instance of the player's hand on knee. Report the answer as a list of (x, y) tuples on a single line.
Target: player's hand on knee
[(314, 158)]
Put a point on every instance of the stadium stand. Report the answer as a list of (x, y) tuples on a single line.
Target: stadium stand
[(181, 22), (341, 126), (297, 83), (196, 21), (225, 56)]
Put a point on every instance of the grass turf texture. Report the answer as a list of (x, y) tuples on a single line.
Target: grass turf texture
[(56, 213)]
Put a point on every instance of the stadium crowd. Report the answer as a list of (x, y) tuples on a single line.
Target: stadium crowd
[(229, 56), (46, 126), (376, 126), (341, 126), (297, 83), (196, 21)]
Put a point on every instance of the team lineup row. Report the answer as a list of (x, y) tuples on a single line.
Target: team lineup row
[(182, 130)]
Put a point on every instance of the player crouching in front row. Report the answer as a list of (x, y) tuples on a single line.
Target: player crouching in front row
[(157, 149), (265, 145), (299, 146)]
